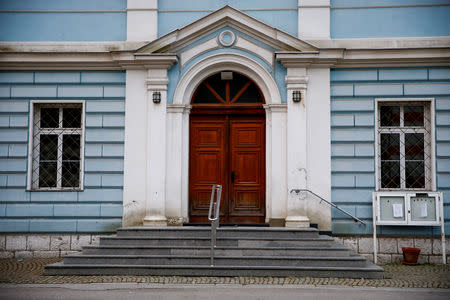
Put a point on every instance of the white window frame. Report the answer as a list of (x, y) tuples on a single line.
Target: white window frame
[(432, 186), (31, 141)]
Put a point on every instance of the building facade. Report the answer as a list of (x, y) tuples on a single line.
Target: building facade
[(123, 113)]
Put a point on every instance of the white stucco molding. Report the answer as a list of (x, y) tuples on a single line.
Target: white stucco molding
[(227, 16), (229, 61)]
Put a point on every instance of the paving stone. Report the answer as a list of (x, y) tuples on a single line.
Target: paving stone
[(423, 259), (404, 242), (47, 254), (437, 246), (95, 240), (38, 242), (6, 254), (435, 259), (365, 245), (23, 254), (368, 256), (61, 242), (339, 239), (384, 258), (2, 242), (16, 242), (77, 241), (387, 245), (64, 253), (396, 258), (351, 242), (423, 244)]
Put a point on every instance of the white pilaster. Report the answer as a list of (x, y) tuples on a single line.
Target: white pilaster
[(155, 214), (276, 161), (142, 20), (319, 149), (174, 187), (134, 187), (314, 19), (297, 159)]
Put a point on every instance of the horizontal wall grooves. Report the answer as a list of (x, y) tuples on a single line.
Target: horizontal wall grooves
[(353, 94), (98, 207)]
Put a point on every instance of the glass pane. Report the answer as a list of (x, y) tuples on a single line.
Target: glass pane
[(47, 174), (48, 147), (250, 95), (390, 174), (218, 85), (390, 146), (390, 116), (204, 96), (71, 147), (72, 117), (414, 146), (415, 174), (49, 117), (70, 174), (413, 115)]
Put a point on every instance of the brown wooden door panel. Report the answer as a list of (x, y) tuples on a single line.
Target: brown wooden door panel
[(247, 167), (227, 150), (207, 160)]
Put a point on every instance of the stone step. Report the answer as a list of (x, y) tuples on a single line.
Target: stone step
[(334, 250), (223, 241), (253, 232), (352, 261), (369, 271)]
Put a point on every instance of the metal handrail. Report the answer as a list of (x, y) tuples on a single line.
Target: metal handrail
[(355, 219), (214, 208)]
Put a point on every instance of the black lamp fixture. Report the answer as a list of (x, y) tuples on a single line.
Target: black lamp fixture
[(296, 96), (156, 97)]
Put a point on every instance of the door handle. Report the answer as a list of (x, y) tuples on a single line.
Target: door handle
[(233, 176)]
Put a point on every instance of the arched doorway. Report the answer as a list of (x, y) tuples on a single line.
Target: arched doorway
[(227, 147)]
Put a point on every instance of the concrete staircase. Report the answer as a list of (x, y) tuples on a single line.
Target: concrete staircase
[(240, 251)]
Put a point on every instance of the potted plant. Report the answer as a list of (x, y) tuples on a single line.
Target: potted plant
[(410, 255)]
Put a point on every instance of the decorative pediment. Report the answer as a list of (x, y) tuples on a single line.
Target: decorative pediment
[(226, 17)]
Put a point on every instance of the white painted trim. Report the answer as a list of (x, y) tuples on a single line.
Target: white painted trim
[(432, 136), (230, 61), (223, 42), (248, 46), (30, 143), (189, 54)]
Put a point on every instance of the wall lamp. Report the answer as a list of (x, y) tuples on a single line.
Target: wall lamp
[(156, 97), (296, 96)]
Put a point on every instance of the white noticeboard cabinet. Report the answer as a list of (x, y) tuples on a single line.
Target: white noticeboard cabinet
[(408, 209)]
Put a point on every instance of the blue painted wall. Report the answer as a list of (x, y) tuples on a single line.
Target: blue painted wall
[(99, 207), (63, 20), (353, 94), (389, 18), (174, 14)]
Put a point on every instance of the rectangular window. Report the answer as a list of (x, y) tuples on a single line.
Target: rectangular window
[(404, 135), (57, 146)]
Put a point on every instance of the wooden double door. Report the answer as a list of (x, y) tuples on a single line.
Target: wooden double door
[(229, 150)]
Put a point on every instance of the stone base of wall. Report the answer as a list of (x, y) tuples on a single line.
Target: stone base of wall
[(390, 248), (43, 245)]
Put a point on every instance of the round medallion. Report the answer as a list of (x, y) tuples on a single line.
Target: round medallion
[(227, 38)]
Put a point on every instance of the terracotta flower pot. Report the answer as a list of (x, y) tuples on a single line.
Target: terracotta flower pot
[(410, 255)]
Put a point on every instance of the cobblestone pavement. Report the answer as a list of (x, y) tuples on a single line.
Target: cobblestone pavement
[(31, 271)]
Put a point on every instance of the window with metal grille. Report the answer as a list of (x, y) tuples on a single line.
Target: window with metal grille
[(404, 145), (57, 146)]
